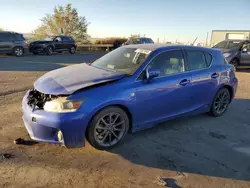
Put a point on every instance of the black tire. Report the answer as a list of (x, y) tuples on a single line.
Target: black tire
[(235, 62), (222, 97), (18, 51), (49, 50), (72, 50), (91, 131), (59, 52), (35, 53)]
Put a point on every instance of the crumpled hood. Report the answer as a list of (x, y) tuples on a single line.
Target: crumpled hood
[(67, 80)]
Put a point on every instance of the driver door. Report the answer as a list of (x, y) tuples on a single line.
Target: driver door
[(58, 43), (245, 55), (168, 94)]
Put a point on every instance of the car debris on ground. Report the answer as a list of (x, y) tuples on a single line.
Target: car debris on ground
[(19, 141)]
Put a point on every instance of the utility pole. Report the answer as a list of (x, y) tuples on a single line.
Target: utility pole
[(207, 39)]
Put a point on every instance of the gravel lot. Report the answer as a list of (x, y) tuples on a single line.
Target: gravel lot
[(199, 151)]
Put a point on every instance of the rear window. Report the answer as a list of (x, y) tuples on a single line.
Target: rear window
[(196, 60)]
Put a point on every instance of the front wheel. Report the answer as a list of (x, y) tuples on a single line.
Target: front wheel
[(220, 102), (49, 50), (108, 128)]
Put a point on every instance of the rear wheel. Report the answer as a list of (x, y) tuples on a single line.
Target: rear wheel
[(220, 102), (18, 51), (49, 50), (35, 53), (72, 50), (108, 128)]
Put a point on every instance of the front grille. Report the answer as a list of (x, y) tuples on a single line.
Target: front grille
[(38, 99)]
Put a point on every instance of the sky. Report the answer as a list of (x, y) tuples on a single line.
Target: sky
[(168, 20)]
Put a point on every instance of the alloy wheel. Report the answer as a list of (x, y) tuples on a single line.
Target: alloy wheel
[(72, 50), (109, 129), (18, 51), (221, 102), (49, 50)]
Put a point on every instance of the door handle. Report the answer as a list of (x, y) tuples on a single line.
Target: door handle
[(215, 75), (184, 82)]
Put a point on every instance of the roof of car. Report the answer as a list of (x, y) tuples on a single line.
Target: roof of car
[(153, 47)]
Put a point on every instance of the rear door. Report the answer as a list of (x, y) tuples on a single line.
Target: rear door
[(245, 56), (5, 42), (204, 79), (67, 42)]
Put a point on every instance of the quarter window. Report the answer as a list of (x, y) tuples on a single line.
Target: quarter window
[(196, 60), (208, 58), (171, 62)]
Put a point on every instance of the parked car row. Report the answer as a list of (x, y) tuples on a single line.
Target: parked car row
[(236, 52), (15, 44)]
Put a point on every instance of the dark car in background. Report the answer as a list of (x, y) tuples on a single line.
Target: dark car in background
[(236, 52), (52, 44), (12, 43), (139, 40)]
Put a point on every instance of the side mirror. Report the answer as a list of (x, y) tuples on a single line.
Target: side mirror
[(244, 50), (150, 74), (56, 40)]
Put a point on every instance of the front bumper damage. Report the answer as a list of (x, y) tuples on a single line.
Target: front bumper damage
[(44, 126)]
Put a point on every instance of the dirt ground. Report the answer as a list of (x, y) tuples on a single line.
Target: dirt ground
[(199, 151)]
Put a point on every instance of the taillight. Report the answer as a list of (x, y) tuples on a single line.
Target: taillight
[(25, 41)]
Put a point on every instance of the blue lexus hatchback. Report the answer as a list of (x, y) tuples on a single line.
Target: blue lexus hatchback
[(131, 88)]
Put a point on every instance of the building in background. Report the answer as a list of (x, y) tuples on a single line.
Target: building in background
[(220, 35)]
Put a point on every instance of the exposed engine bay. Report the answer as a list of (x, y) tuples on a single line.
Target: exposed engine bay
[(38, 99)]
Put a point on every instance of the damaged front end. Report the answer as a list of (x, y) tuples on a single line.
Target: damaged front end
[(38, 99), (52, 103)]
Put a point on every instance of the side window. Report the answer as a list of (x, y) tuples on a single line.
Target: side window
[(17, 37), (196, 60), (64, 38), (2, 38), (5, 37), (221, 44), (150, 41), (208, 58), (171, 62), (58, 39)]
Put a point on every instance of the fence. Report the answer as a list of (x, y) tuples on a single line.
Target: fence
[(94, 47)]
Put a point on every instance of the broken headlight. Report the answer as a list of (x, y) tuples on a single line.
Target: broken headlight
[(61, 105)]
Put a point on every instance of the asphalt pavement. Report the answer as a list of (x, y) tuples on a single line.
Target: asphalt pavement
[(200, 151), (42, 62)]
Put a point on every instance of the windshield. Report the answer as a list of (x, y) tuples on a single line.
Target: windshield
[(125, 60), (48, 38)]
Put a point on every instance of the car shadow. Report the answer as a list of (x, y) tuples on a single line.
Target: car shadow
[(199, 145)]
